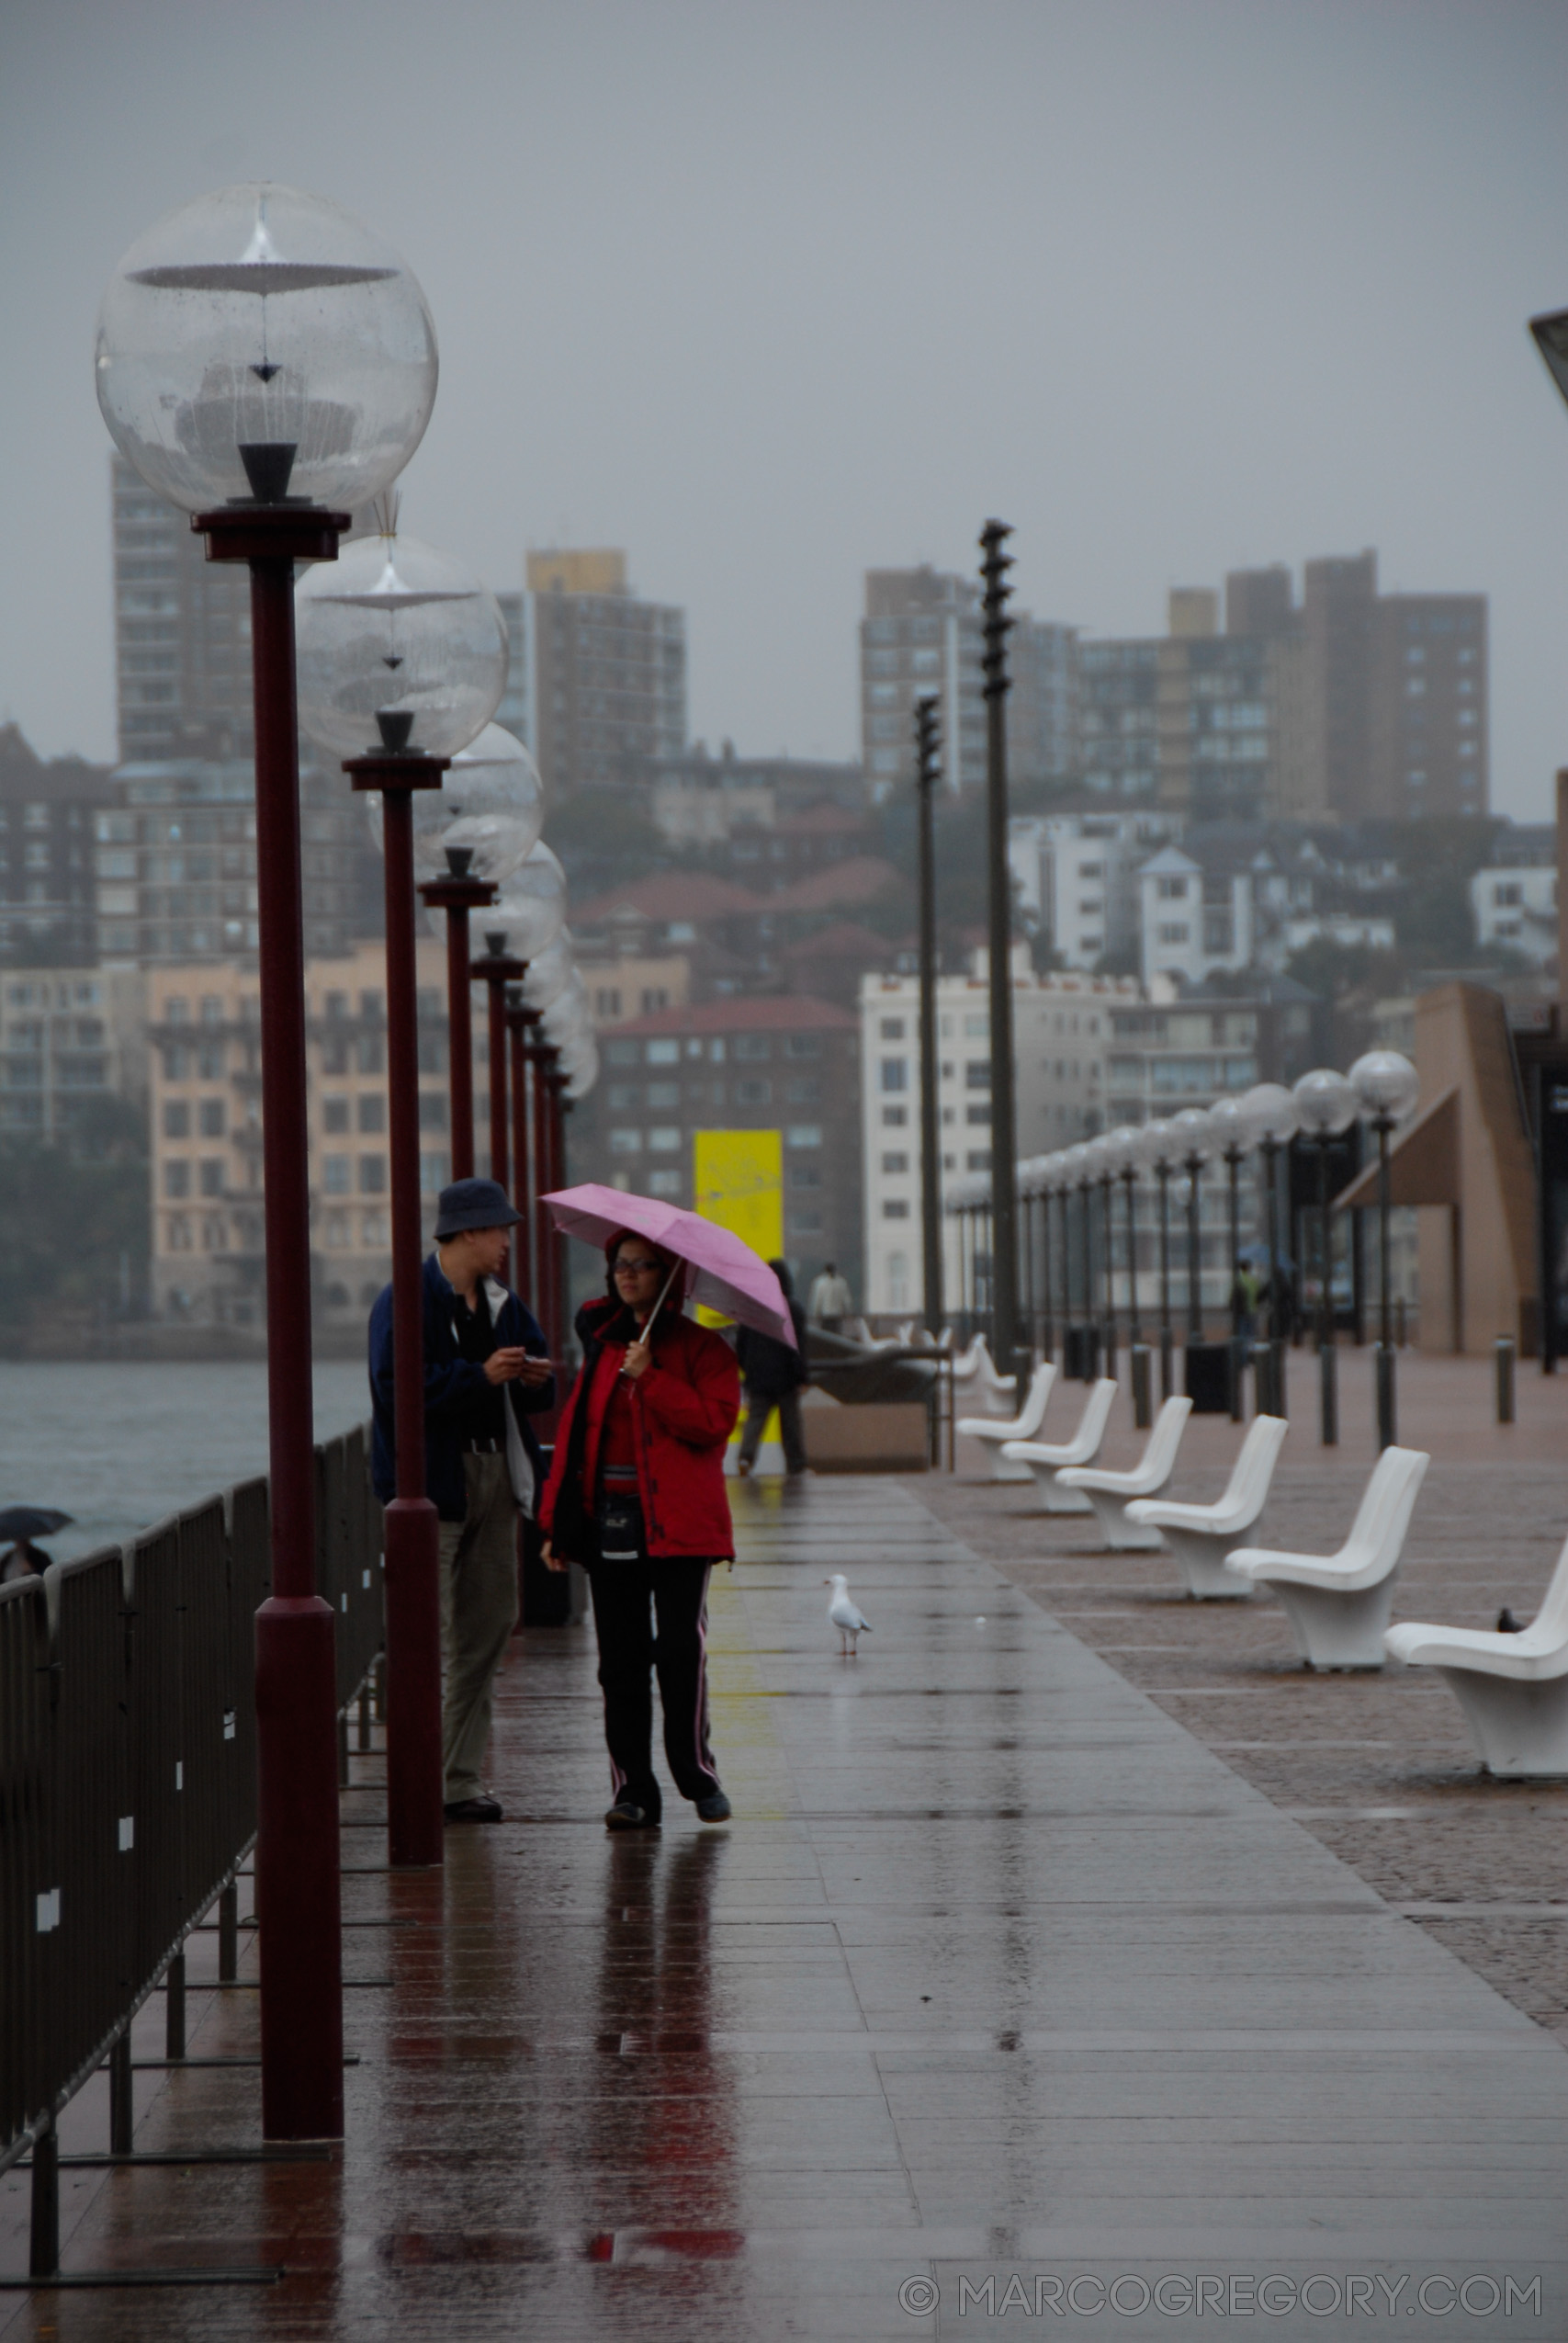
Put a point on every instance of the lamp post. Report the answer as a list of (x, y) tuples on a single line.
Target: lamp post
[(928, 773), (402, 641), (264, 363), (996, 626), (1326, 1105), (1386, 1087), (1124, 1141), (1194, 1138), (1103, 1174), (1228, 1125), (1273, 1119), (1079, 1336), (1157, 1151), (1047, 1238)]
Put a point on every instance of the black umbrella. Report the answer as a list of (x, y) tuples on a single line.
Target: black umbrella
[(31, 1521)]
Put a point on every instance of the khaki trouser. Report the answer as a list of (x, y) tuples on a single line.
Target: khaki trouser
[(479, 1611)]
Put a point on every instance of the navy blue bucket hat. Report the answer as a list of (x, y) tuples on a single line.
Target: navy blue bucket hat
[(473, 1203)]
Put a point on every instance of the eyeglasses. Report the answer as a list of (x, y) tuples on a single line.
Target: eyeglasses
[(636, 1268)]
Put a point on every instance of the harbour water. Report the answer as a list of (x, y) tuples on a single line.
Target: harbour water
[(119, 1446)]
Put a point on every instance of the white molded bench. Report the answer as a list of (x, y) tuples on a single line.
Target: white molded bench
[(1338, 1604), (1513, 1689), (1202, 1536), (995, 1392), (1046, 1463), (1110, 1493), (994, 1432)]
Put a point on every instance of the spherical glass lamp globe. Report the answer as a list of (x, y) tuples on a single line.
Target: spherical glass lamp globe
[(399, 647), (1158, 1144), (568, 1018), (490, 805), (548, 972), (1385, 1084), (1074, 1164), (581, 1071), (1325, 1102), (531, 913), (1270, 1114), (261, 346), (1194, 1134), (1122, 1144), (1228, 1127)]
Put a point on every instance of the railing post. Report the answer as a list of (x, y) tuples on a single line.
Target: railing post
[(174, 2008), (43, 2247), (228, 1934), (122, 2102)]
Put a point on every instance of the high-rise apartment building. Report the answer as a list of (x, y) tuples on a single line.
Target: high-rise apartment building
[(176, 861), (70, 1039), (1044, 738), (47, 814), (182, 633), (601, 689), (1119, 691), (921, 636)]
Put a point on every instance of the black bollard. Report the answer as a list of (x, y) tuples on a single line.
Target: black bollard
[(174, 2007), (1503, 1354), (228, 1934), (43, 2250), (1142, 1413), (122, 2105), (1328, 1395)]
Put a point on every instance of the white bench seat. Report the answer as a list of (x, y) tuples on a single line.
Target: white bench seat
[(996, 1393), (1338, 1604), (996, 1431), (1202, 1536), (1045, 1463), (1110, 1494), (1513, 1689)]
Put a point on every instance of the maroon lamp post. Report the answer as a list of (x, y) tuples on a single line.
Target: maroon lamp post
[(458, 895), (266, 364), (403, 641), (519, 1019), (498, 969)]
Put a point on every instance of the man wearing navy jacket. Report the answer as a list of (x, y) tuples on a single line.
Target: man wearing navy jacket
[(486, 1372)]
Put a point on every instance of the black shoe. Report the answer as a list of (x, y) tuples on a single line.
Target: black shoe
[(478, 1809), (625, 1814), (714, 1807)]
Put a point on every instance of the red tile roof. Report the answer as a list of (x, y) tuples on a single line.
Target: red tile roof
[(860, 879), (844, 940), (672, 895), (747, 1013)]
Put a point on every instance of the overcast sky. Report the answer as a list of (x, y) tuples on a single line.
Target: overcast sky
[(772, 291)]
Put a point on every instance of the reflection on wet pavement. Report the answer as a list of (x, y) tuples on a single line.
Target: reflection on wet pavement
[(996, 1971)]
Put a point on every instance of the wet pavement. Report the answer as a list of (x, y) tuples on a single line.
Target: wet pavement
[(1001, 1991)]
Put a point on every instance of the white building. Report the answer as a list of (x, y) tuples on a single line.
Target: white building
[(1061, 1028), (1077, 878), (1517, 908)]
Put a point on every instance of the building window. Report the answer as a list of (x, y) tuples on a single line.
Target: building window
[(432, 1174), (1176, 932), (891, 1029), (373, 1228), (212, 1175), (664, 1182), (334, 1114), (373, 1112), (804, 1045), (654, 997), (980, 1114), (806, 1224), (176, 1180), (977, 1074), (211, 1061), (663, 1053), (753, 1093), (372, 1176), (804, 1134), (805, 1175), (753, 1045), (211, 1118), (895, 1161), (626, 1142), (664, 1139), (895, 1208), (660, 1094), (370, 1054), (977, 1160), (1171, 890), (894, 1074), (894, 1118), (336, 1177), (606, 1001), (176, 1119), (621, 1053), (432, 1110)]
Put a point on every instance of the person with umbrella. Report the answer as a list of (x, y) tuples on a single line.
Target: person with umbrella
[(636, 1494), (22, 1523)]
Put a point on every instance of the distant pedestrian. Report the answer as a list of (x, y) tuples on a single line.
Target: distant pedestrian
[(636, 1495), (486, 1372), (772, 1376), (828, 1304), (1244, 1299), (23, 1560)]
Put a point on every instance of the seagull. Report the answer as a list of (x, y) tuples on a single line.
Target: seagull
[(845, 1615)]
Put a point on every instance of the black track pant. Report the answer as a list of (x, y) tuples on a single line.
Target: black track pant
[(625, 1595)]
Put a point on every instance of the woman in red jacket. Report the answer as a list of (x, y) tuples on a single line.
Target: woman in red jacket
[(636, 1494)]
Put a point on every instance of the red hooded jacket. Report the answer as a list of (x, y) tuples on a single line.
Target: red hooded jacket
[(684, 1406)]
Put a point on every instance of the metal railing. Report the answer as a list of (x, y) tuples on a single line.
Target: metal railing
[(128, 1778)]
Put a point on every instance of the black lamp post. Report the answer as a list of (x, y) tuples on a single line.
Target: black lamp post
[(1386, 1087), (1272, 1119), (1227, 1123), (927, 775), (1157, 1151), (996, 626), (1326, 1105)]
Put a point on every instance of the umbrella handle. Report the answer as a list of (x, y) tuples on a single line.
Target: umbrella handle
[(647, 1332)]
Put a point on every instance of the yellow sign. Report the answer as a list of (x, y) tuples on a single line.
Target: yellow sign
[(738, 1182)]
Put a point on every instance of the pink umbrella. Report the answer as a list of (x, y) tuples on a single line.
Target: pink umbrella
[(725, 1272)]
